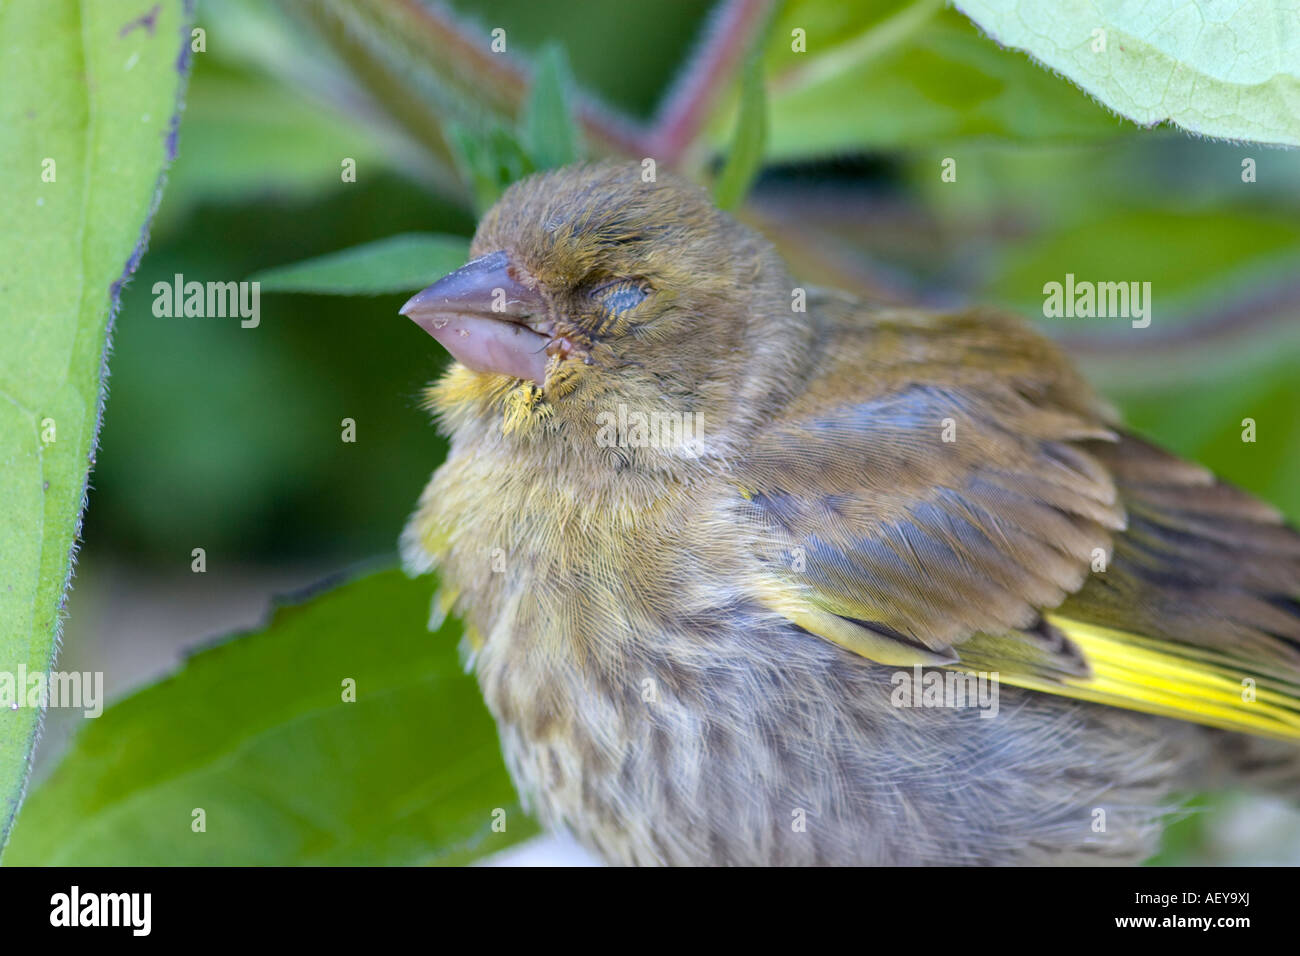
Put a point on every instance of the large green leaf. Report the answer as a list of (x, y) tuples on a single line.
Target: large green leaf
[(89, 94), (396, 264), (1230, 70), (255, 732), (889, 74)]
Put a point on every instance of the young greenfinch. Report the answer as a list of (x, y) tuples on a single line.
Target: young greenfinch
[(711, 533)]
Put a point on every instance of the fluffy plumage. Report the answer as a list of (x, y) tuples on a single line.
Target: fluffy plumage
[(690, 645)]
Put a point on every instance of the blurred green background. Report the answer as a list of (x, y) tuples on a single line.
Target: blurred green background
[(228, 439)]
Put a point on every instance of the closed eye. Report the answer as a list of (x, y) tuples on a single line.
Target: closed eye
[(618, 297)]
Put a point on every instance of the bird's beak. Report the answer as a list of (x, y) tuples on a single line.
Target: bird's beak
[(481, 314)]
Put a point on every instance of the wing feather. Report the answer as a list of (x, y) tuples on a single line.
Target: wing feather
[(971, 503)]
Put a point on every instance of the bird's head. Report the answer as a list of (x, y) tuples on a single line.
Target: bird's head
[(603, 311)]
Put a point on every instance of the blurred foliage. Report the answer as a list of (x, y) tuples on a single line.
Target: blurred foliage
[(492, 158), (255, 138), (229, 438), (626, 52), (548, 132), (748, 144)]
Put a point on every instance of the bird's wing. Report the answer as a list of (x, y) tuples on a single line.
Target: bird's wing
[(949, 492)]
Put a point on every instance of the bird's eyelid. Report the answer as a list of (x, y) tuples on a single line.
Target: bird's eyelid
[(606, 284), (621, 295)]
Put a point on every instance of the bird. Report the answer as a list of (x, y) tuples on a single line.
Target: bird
[(753, 573)]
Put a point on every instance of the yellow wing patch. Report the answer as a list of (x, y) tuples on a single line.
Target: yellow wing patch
[(1156, 677), (1126, 670)]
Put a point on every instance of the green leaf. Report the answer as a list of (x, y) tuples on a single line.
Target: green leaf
[(89, 94), (746, 155), (548, 131), (255, 731), (1226, 70), (903, 74), (490, 159), (397, 264)]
